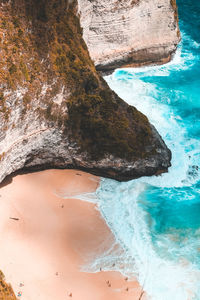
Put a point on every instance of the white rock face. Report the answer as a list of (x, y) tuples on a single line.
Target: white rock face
[(129, 32), (28, 140)]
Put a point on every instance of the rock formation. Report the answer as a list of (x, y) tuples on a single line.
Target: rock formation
[(55, 109), (6, 291), (129, 32)]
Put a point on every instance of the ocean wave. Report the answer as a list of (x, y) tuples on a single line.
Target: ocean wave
[(185, 152), (183, 59), (161, 278), (142, 213)]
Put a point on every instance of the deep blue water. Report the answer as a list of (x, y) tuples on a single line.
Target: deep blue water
[(157, 220)]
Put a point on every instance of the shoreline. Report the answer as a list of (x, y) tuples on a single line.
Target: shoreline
[(47, 237)]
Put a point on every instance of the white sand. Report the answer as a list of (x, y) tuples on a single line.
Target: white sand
[(53, 237)]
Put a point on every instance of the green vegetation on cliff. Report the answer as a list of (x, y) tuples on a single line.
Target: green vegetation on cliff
[(175, 8), (6, 291), (43, 45)]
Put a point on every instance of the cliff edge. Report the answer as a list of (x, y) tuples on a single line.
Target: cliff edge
[(55, 109), (129, 32)]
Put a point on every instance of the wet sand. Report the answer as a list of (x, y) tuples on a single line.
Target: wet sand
[(46, 239)]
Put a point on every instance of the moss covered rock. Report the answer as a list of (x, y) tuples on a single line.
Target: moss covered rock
[(55, 109), (6, 291)]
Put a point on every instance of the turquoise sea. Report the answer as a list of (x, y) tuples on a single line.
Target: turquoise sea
[(157, 219)]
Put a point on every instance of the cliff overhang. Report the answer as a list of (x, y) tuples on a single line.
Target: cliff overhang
[(129, 33), (56, 111)]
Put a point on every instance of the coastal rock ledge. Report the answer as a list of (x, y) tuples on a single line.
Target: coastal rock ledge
[(129, 32), (56, 111)]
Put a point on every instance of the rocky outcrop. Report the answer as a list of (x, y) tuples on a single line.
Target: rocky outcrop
[(55, 110), (6, 291), (129, 32)]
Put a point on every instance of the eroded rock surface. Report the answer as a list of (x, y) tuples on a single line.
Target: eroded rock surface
[(129, 32), (55, 109)]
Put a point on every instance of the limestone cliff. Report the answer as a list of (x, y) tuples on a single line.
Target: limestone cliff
[(129, 32), (55, 110)]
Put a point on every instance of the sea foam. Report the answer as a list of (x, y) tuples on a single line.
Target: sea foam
[(160, 248)]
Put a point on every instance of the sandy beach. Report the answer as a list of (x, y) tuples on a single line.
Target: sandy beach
[(47, 237)]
